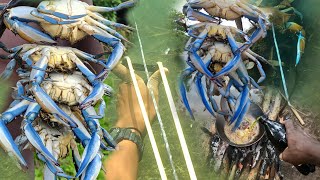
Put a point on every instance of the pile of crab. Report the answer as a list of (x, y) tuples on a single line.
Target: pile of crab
[(218, 59), (57, 91), (218, 54)]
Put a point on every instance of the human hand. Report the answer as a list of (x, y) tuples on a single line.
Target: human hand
[(129, 112), (301, 147)]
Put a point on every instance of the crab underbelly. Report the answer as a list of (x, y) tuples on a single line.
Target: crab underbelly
[(69, 32), (67, 89), (226, 13), (58, 62)]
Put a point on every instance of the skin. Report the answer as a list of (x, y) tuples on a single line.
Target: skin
[(302, 148), (88, 44), (123, 163)]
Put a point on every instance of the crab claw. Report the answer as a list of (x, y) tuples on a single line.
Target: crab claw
[(36, 141), (7, 143), (25, 31), (202, 93), (108, 138), (6, 140), (6, 74), (49, 105), (183, 92), (241, 103), (95, 95), (55, 170), (240, 118), (89, 153), (93, 169), (197, 16)]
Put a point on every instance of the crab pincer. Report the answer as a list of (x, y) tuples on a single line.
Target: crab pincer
[(6, 140)]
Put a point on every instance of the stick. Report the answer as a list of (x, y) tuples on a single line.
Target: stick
[(176, 120), (147, 122), (163, 132), (284, 80)]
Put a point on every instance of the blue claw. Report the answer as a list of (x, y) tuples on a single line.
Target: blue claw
[(6, 140), (253, 82), (33, 137), (20, 92), (199, 65), (43, 9), (108, 138), (89, 153), (123, 5), (202, 93), (50, 19), (95, 95), (183, 91), (261, 71), (101, 109), (241, 102), (197, 16), (6, 74), (49, 105), (117, 46), (93, 168), (8, 144), (230, 66), (29, 33), (55, 170), (240, 118), (243, 73)]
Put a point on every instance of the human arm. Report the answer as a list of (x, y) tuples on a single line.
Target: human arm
[(123, 163), (302, 148)]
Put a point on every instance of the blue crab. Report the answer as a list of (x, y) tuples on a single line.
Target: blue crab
[(41, 89), (222, 61), (229, 10), (72, 20)]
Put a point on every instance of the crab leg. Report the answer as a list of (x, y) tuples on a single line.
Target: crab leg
[(109, 23), (241, 116), (106, 38), (6, 74), (20, 92), (183, 92), (259, 66), (51, 20), (241, 103), (25, 31), (123, 5), (33, 137), (6, 141), (93, 146), (95, 95), (202, 93), (93, 169), (196, 60), (108, 138), (196, 15), (210, 93), (106, 28), (55, 170), (42, 8), (101, 109)]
